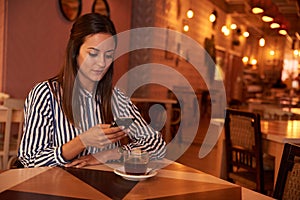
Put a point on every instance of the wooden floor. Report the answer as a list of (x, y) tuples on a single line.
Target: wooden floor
[(190, 157)]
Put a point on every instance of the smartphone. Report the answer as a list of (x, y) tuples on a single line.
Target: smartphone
[(123, 121)]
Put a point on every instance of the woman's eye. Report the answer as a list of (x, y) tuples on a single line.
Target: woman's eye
[(93, 54), (109, 56)]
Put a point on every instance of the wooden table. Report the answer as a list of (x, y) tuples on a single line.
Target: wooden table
[(175, 181), (275, 134), (295, 111), (168, 104)]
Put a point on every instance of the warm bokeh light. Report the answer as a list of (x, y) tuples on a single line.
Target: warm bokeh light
[(225, 30), (257, 10), (186, 28), (253, 61), (266, 18), (212, 17), (245, 59), (296, 52), (246, 34), (262, 42), (274, 25), (190, 13), (233, 26), (272, 52), (282, 32)]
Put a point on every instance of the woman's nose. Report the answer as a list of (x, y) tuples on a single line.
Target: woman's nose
[(101, 60)]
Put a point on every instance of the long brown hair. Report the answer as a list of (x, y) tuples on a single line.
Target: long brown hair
[(86, 25)]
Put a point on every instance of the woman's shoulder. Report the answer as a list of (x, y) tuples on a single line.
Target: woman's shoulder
[(39, 94), (40, 86), (120, 95), (46, 85), (39, 89)]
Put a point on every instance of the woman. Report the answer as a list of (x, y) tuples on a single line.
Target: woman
[(67, 118)]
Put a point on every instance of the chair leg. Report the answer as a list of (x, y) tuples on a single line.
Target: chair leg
[(1, 163)]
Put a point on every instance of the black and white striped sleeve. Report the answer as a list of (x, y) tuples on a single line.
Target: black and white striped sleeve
[(141, 134), (37, 146)]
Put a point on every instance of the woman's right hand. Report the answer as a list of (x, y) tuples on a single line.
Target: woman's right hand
[(102, 135)]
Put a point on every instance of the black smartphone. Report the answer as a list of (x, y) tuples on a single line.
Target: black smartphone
[(123, 121)]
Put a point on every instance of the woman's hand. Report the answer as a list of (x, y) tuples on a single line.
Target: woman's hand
[(95, 159), (84, 161), (97, 136), (102, 135)]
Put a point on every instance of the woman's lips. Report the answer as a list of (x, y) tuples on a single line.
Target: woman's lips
[(98, 71)]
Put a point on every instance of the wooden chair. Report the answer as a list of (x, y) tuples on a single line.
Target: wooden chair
[(288, 181), (244, 156), (12, 113)]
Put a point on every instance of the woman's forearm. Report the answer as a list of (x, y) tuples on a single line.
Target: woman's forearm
[(72, 148)]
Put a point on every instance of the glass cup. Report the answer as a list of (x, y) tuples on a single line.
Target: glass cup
[(136, 162)]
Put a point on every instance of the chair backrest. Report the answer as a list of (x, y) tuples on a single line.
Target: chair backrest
[(3, 96), (14, 115), (288, 179), (16, 105), (243, 144)]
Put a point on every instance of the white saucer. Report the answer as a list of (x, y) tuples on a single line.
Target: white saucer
[(121, 172)]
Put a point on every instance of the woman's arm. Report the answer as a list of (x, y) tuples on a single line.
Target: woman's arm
[(141, 134), (39, 145), (99, 136), (72, 148), (43, 145)]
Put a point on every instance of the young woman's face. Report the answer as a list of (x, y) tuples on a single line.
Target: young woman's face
[(94, 59)]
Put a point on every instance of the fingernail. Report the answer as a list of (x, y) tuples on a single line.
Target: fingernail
[(122, 127)]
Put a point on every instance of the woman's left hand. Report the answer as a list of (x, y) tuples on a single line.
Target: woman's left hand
[(83, 161)]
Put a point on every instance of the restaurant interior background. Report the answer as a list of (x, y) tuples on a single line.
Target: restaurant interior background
[(33, 37)]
